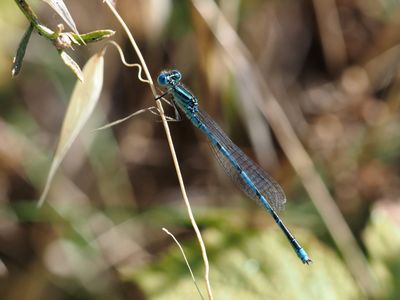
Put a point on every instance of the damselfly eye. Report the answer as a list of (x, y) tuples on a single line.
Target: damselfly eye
[(162, 79), (175, 75)]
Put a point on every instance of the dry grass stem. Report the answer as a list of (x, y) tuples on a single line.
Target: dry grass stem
[(171, 146)]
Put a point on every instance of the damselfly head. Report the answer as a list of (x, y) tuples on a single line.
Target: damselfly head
[(169, 77)]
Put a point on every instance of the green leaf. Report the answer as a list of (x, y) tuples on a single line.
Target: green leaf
[(382, 239), (94, 36), (82, 103), (19, 57), (246, 265)]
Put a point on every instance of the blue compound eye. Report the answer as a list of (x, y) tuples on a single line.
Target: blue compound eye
[(162, 79), (176, 75)]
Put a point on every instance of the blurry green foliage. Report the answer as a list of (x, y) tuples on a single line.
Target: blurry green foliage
[(382, 237), (250, 265)]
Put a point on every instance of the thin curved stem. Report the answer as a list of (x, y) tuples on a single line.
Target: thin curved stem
[(171, 146)]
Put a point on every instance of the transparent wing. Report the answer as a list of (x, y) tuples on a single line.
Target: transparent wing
[(264, 183)]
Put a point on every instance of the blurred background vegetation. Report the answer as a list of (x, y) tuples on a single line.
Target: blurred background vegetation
[(333, 67)]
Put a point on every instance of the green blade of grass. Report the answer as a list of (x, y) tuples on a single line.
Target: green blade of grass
[(19, 56)]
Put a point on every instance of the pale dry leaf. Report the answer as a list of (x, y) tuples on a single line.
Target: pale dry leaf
[(82, 103), (70, 63), (62, 11)]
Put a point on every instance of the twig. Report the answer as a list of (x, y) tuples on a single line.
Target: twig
[(61, 40), (31, 16), (171, 146), (331, 34), (52, 36)]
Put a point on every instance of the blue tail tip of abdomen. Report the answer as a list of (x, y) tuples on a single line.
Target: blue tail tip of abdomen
[(302, 254)]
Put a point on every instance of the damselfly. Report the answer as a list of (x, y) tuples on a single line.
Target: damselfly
[(244, 172)]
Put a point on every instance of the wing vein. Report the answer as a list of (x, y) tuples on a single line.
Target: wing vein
[(264, 183)]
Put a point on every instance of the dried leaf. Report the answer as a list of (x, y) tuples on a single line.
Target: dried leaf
[(72, 65), (19, 57), (62, 11), (82, 103)]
